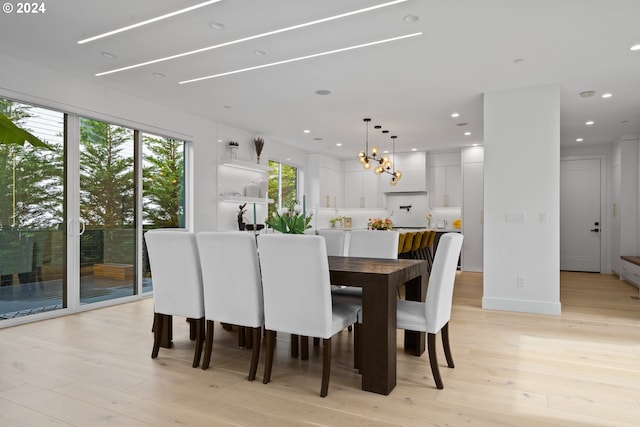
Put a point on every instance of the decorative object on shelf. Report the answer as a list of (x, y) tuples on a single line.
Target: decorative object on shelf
[(336, 222), (241, 223), (347, 222), (429, 216), (233, 148), (380, 224), (262, 188), (291, 220), (259, 143), (251, 190), (457, 223)]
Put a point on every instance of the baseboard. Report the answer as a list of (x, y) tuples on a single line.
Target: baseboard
[(522, 306)]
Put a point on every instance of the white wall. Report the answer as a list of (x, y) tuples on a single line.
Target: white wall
[(473, 208), (522, 177), (26, 82)]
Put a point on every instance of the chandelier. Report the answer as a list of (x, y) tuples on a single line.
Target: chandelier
[(384, 163)]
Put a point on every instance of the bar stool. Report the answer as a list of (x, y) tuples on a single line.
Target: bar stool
[(401, 237), (417, 241), (424, 243), (408, 243)]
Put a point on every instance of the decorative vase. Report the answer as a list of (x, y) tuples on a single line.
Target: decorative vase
[(258, 159), (262, 188)]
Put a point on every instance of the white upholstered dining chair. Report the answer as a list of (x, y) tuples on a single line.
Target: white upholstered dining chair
[(335, 241), (232, 287), (433, 315), (367, 244), (177, 283), (297, 299)]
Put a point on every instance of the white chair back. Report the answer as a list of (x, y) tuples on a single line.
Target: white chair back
[(443, 274), (175, 272), (231, 278), (296, 284), (335, 240), (374, 244)]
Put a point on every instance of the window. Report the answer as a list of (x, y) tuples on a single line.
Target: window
[(283, 185)]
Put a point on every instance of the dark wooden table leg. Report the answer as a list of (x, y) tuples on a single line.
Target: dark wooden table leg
[(378, 337), (415, 290)]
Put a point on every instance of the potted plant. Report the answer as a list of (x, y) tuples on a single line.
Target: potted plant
[(336, 222)]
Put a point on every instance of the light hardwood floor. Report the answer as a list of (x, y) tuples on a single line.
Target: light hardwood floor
[(94, 368)]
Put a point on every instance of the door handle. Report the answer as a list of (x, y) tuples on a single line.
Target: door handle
[(595, 230)]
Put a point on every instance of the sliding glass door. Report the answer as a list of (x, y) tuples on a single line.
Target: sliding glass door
[(73, 209), (32, 214)]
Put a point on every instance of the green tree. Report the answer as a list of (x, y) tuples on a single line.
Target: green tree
[(106, 173), (31, 178), (163, 182)]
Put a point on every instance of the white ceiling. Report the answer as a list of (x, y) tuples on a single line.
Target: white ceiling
[(408, 86)]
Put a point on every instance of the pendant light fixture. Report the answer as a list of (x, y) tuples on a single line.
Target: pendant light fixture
[(395, 174)]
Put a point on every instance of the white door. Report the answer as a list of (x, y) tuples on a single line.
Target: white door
[(580, 222)]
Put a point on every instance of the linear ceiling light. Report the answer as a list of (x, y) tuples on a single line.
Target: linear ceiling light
[(257, 36), (148, 21), (300, 58)]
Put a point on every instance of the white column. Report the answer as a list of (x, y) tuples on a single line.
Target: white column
[(522, 200)]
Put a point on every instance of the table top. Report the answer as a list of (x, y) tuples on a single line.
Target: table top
[(397, 270)]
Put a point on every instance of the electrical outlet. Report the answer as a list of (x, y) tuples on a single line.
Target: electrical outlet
[(521, 282), (515, 217), (543, 217)]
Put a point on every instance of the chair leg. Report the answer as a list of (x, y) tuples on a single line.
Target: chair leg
[(433, 359), (316, 342), (255, 353), (199, 340), (304, 347), (157, 334), (270, 338), (356, 347), (326, 366), (294, 345), (447, 348), (208, 344)]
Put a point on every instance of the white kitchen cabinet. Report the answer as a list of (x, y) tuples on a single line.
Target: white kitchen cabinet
[(361, 187), (331, 188), (445, 180)]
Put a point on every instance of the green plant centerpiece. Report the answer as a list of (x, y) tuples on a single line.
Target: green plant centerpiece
[(336, 222), (290, 220)]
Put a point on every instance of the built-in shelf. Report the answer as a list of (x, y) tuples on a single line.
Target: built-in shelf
[(243, 199), (241, 164)]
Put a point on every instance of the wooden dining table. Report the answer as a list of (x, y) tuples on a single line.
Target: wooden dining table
[(379, 280)]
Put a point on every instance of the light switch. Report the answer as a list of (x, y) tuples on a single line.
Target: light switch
[(543, 217)]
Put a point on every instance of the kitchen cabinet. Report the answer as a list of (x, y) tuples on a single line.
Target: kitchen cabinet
[(361, 186), (331, 188), (445, 180)]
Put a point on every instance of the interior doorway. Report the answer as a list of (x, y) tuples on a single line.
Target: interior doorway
[(581, 214)]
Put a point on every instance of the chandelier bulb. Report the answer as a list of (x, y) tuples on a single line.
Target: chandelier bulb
[(367, 165), (374, 151), (398, 175), (393, 182)]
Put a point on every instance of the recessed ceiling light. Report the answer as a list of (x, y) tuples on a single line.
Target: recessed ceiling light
[(323, 92), (454, 115), (385, 152), (467, 133), (461, 124), (589, 123), (635, 47), (259, 52), (107, 55), (216, 25), (518, 61), (624, 121), (306, 131), (587, 93), (607, 95), (318, 139), (256, 36), (410, 18), (414, 149), (219, 140), (475, 145), (158, 75), (148, 21), (579, 139), (338, 144), (228, 107)]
